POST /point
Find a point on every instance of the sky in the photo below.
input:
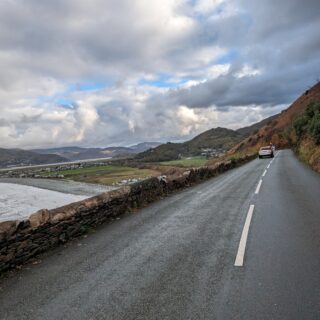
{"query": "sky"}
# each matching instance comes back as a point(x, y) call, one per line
point(119, 72)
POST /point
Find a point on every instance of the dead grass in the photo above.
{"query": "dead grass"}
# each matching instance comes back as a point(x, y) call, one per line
point(309, 152)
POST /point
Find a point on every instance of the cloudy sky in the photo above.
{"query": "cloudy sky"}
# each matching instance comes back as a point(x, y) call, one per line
point(117, 72)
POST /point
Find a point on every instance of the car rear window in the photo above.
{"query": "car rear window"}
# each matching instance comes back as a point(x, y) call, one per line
point(265, 148)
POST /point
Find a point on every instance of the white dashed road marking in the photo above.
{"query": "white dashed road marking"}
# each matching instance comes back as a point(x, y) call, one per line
point(243, 240)
point(258, 187)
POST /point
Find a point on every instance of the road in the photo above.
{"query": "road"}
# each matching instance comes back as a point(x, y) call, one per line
point(176, 258)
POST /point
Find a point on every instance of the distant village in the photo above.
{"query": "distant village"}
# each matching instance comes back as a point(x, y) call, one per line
point(212, 152)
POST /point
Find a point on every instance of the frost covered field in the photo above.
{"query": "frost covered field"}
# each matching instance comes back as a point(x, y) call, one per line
point(19, 201)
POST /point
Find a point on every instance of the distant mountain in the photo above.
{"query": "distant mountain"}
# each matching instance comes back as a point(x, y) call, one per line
point(217, 138)
point(144, 146)
point(79, 153)
point(18, 157)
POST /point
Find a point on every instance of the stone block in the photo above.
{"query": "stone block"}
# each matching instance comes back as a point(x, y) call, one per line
point(39, 218)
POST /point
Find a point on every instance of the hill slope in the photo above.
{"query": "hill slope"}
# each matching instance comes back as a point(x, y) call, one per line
point(217, 138)
point(18, 157)
point(280, 130)
point(295, 127)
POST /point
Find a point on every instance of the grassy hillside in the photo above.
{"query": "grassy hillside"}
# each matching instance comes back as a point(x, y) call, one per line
point(193, 162)
point(213, 138)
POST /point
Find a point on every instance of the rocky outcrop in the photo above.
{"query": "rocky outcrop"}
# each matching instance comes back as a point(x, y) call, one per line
point(21, 241)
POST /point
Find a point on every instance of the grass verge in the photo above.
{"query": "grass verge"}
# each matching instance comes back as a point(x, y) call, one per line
point(186, 162)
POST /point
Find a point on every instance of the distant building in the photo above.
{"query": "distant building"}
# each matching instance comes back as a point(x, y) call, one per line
point(212, 152)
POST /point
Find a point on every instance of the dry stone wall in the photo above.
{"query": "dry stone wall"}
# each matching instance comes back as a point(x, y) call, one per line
point(21, 241)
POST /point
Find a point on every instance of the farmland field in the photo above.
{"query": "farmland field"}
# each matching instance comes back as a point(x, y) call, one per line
point(187, 162)
point(107, 175)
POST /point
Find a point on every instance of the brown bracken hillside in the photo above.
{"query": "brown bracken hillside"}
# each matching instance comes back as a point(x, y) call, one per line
point(281, 131)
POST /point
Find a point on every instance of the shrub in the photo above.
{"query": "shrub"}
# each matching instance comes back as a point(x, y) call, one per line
point(314, 128)
point(312, 110)
point(300, 125)
point(309, 122)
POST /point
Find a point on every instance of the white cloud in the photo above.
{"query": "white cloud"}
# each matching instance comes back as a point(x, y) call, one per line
point(247, 71)
point(207, 6)
point(48, 49)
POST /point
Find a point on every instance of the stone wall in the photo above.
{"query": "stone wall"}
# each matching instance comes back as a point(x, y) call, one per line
point(21, 241)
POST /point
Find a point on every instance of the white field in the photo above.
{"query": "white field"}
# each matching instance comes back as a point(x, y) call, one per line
point(18, 201)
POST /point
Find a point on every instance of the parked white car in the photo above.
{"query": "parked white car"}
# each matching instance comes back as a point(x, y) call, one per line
point(266, 152)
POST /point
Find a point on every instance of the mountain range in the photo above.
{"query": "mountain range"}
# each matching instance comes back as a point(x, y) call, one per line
point(19, 157)
point(80, 153)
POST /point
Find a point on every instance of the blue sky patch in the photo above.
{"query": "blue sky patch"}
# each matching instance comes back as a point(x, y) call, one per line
point(163, 81)
point(61, 98)
point(88, 86)
point(65, 103)
point(228, 57)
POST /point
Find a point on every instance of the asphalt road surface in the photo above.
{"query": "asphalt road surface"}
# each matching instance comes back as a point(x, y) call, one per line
point(176, 258)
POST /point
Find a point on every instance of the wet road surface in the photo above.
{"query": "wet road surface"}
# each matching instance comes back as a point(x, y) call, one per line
point(176, 258)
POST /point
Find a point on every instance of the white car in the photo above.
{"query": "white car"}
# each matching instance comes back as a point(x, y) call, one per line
point(266, 152)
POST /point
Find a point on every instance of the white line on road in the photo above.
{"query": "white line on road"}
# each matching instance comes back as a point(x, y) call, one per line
point(268, 166)
point(258, 187)
point(243, 240)
point(264, 173)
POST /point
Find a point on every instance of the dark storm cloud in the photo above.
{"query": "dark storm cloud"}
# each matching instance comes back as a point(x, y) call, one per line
point(280, 39)
point(229, 90)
